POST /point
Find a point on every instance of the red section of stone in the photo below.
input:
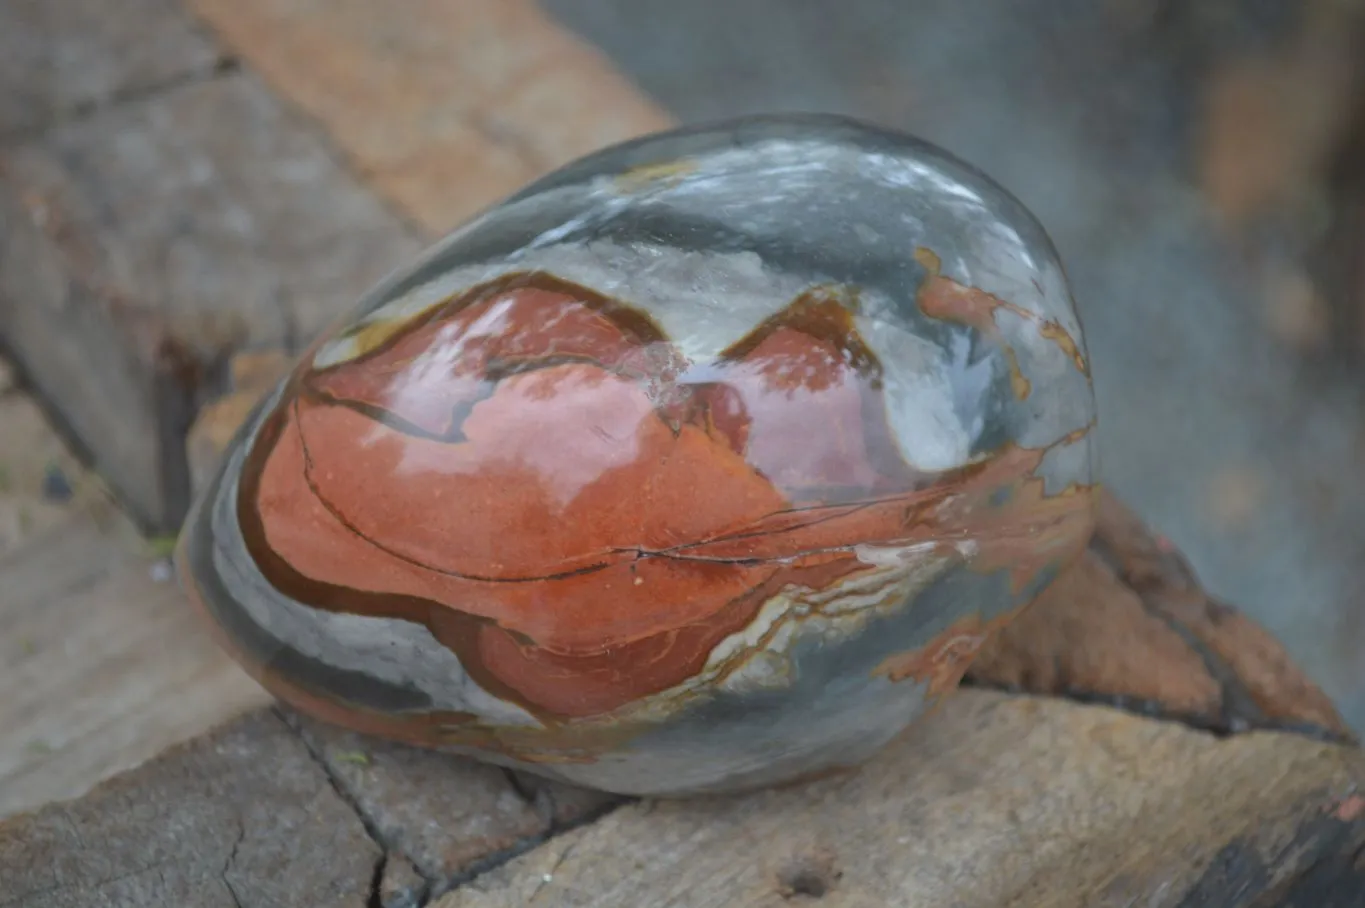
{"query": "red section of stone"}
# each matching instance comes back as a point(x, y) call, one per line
point(534, 473)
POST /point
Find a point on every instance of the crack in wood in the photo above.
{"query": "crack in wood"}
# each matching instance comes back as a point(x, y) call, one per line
point(222, 65)
point(549, 874)
point(231, 858)
point(496, 859)
point(435, 885)
point(376, 835)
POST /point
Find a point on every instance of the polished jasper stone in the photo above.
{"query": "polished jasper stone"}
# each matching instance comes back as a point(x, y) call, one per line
point(706, 462)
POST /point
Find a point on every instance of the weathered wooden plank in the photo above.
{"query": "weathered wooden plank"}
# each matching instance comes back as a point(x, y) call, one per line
point(60, 57)
point(102, 663)
point(241, 818)
point(41, 484)
point(286, 819)
point(995, 801)
point(444, 105)
point(444, 817)
point(140, 246)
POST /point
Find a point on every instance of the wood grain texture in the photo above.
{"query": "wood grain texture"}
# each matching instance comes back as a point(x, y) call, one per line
point(101, 661)
point(445, 106)
point(259, 815)
point(140, 246)
point(41, 484)
point(102, 664)
point(442, 816)
point(995, 801)
point(64, 57)
point(244, 818)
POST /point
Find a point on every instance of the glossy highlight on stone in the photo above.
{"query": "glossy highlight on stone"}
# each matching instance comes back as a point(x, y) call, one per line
point(704, 463)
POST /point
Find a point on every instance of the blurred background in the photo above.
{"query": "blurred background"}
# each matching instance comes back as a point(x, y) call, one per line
point(1201, 168)
point(190, 188)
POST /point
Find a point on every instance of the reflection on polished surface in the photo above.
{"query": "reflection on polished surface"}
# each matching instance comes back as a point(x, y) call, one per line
point(703, 463)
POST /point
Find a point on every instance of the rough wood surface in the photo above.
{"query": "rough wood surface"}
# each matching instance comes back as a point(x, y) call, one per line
point(141, 245)
point(64, 57)
point(102, 663)
point(441, 817)
point(244, 818)
point(444, 105)
point(255, 815)
point(996, 801)
point(41, 483)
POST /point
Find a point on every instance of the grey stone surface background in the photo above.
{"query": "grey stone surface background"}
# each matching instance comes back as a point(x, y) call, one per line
point(1249, 458)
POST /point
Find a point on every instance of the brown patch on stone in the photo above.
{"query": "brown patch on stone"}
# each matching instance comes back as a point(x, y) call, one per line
point(947, 300)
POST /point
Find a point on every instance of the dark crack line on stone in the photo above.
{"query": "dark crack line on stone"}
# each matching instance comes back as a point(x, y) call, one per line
point(367, 822)
point(1216, 726)
point(222, 65)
